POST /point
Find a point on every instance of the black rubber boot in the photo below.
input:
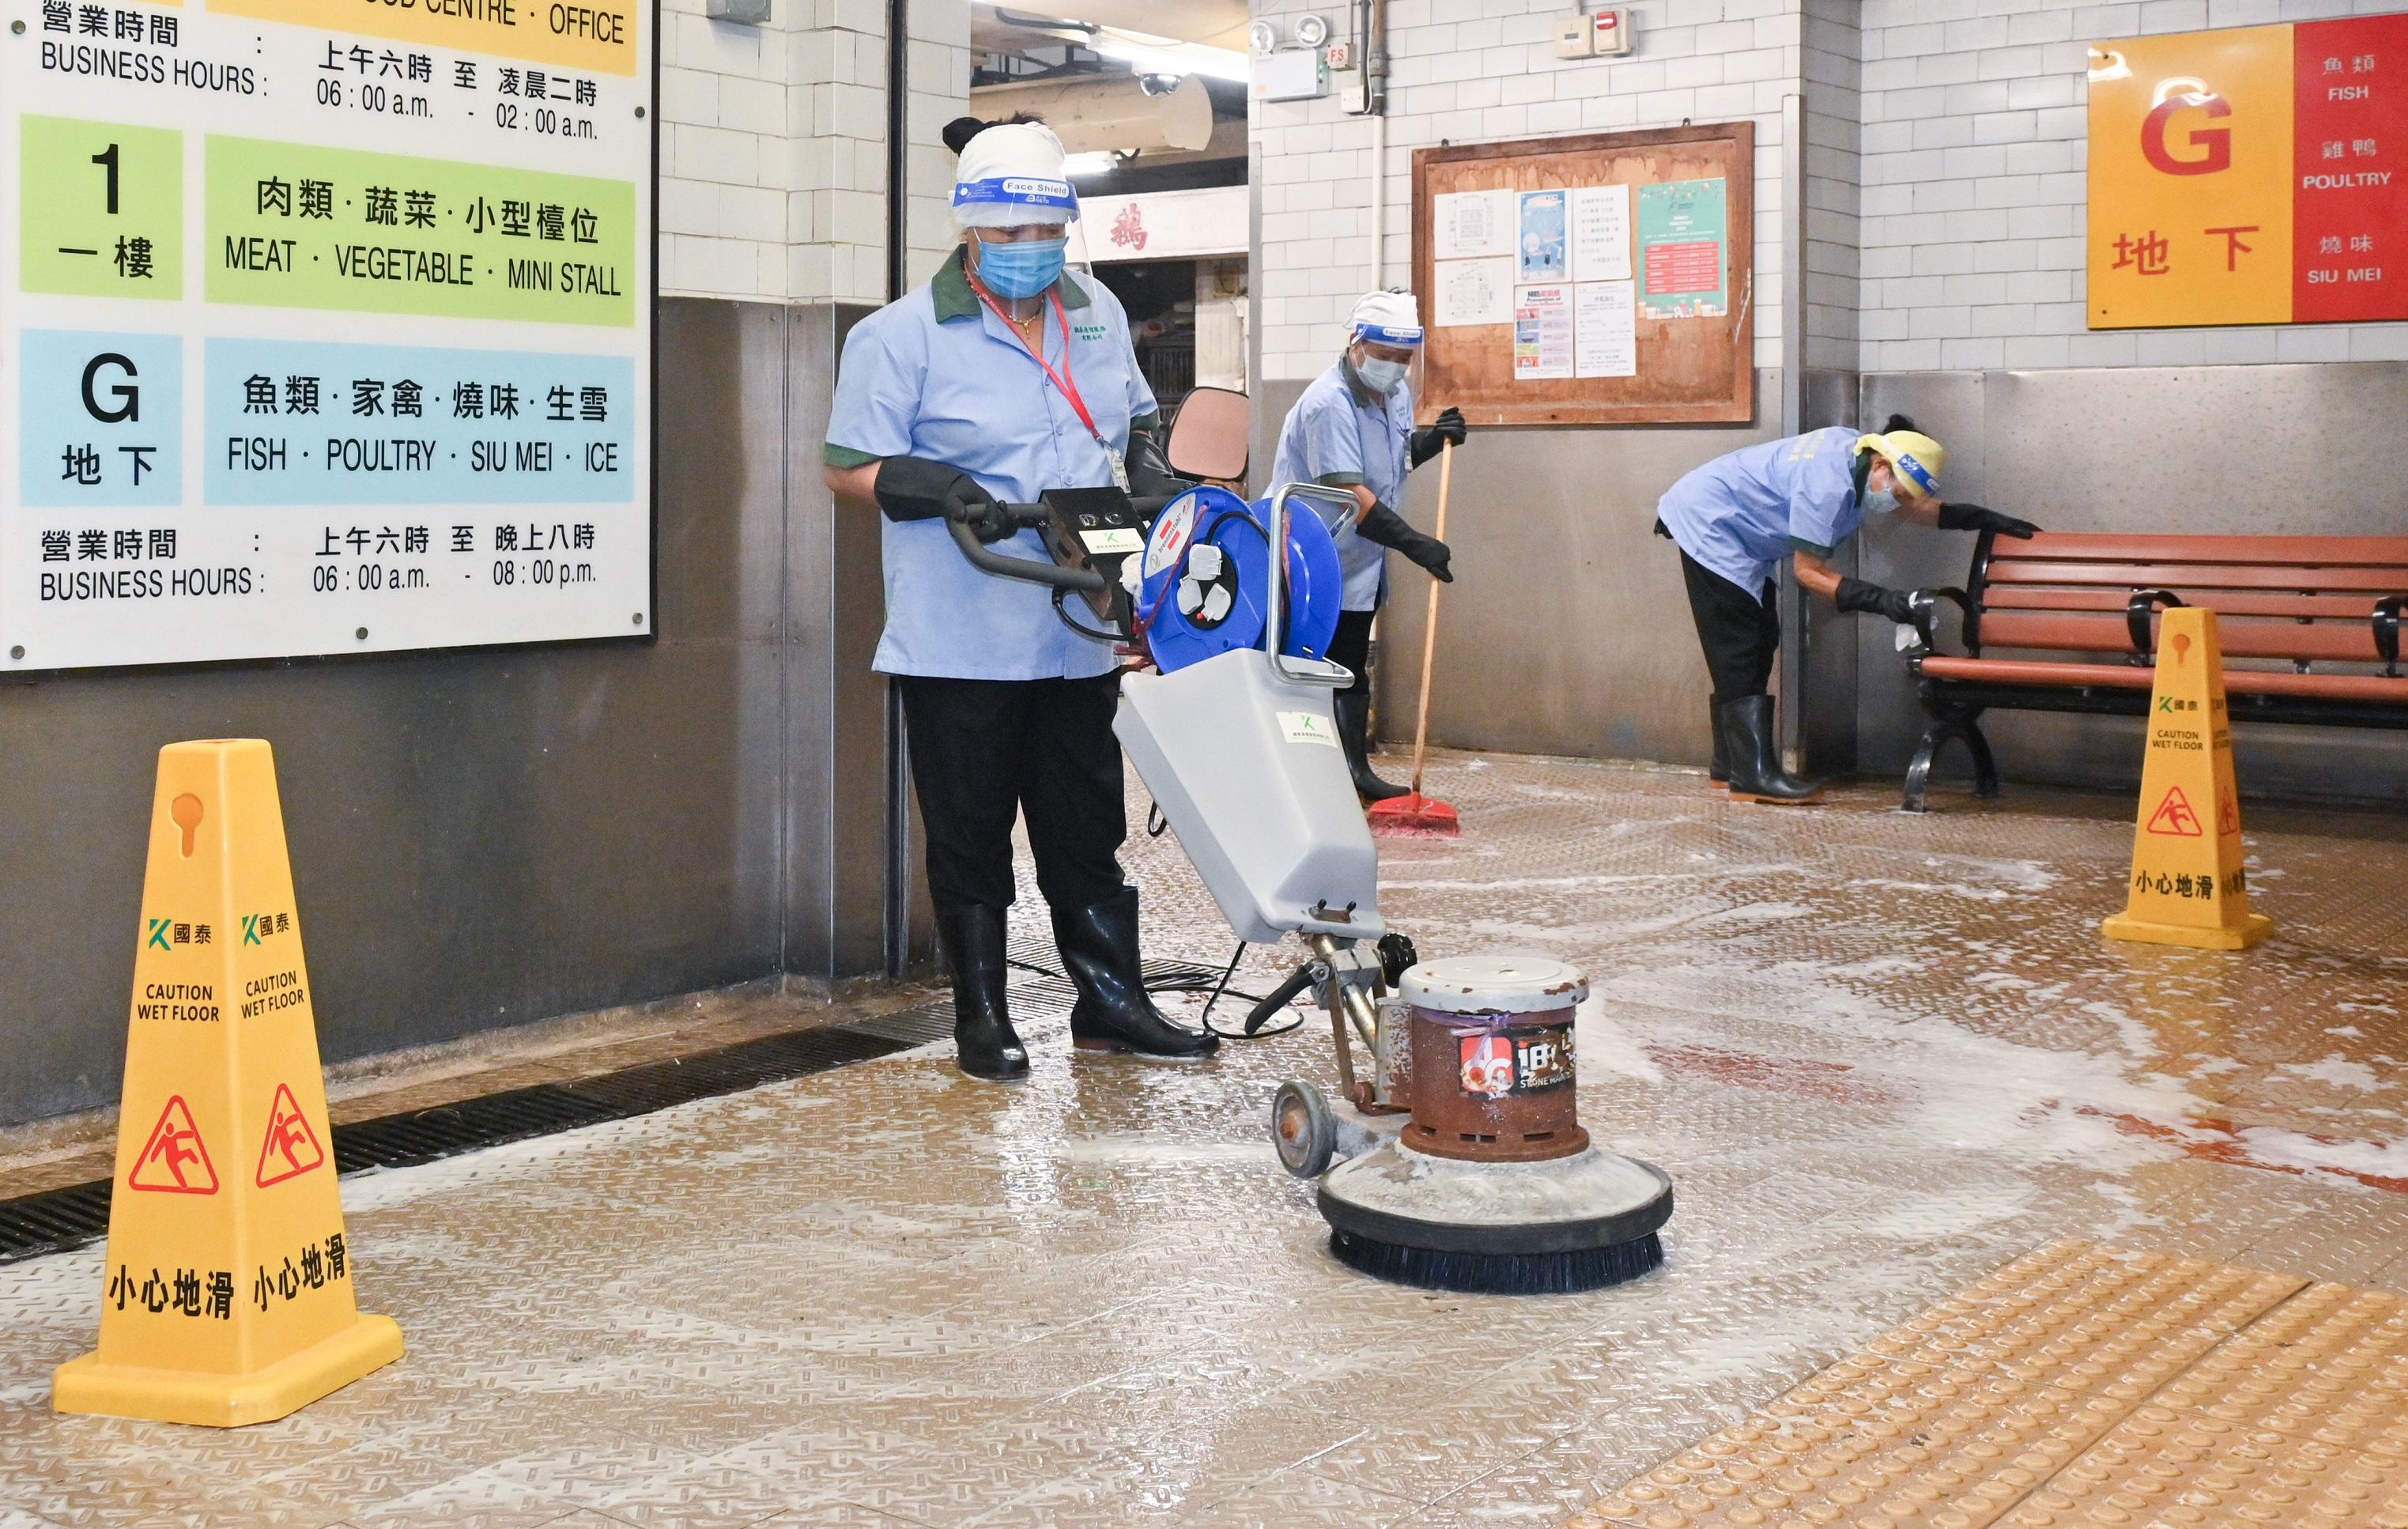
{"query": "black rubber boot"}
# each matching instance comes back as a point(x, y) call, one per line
point(1746, 727)
point(984, 1040)
point(1114, 1012)
point(1353, 713)
point(1719, 771)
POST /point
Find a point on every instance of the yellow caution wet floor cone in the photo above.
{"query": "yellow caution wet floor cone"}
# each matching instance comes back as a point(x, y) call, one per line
point(2187, 885)
point(228, 1288)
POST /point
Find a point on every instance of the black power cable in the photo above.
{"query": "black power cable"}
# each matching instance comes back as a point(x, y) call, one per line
point(1182, 977)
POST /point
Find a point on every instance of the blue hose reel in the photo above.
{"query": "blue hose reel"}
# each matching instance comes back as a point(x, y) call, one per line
point(1205, 571)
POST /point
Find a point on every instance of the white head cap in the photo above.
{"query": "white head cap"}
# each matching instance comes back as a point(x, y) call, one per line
point(1011, 175)
point(1386, 318)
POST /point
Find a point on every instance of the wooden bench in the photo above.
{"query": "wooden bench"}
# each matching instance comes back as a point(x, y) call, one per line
point(2076, 609)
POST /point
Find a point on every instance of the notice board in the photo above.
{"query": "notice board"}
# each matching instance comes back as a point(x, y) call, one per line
point(325, 327)
point(2252, 175)
point(1600, 280)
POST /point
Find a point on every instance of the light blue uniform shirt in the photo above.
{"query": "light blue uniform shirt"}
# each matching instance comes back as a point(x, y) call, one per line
point(1341, 432)
point(937, 375)
point(1741, 515)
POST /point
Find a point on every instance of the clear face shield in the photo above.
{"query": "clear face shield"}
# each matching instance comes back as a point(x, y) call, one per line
point(1385, 362)
point(1020, 233)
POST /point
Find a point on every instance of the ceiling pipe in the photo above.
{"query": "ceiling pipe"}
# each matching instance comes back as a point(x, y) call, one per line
point(1109, 113)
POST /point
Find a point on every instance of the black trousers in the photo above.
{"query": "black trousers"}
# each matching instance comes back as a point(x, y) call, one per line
point(1740, 633)
point(1351, 647)
point(985, 750)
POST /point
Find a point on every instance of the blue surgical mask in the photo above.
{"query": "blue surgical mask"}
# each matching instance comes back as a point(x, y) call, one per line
point(1022, 268)
point(1382, 377)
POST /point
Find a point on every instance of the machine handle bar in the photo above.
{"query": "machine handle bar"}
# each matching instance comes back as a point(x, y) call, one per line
point(1027, 570)
point(1029, 517)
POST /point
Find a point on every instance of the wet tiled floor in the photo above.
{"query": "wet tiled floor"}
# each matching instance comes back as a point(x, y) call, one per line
point(1880, 1054)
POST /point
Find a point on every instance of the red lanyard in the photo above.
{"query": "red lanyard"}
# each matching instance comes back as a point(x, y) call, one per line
point(1061, 379)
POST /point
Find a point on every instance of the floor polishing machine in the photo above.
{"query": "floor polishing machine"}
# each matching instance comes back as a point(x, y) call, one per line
point(1461, 1164)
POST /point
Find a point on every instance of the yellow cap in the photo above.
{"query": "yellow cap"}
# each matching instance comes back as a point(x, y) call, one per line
point(1916, 457)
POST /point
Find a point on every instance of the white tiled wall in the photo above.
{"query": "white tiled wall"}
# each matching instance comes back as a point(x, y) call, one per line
point(773, 155)
point(1471, 70)
point(1974, 135)
point(1945, 166)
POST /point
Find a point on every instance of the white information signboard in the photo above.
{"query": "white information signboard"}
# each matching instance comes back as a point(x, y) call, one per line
point(1207, 220)
point(325, 327)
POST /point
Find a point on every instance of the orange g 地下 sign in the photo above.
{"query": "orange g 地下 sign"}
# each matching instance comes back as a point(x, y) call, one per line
point(2250, 176)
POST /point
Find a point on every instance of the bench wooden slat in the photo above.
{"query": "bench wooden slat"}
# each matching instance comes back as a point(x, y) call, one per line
point(2309, 599)
point(2345, 608)
point(2376, 578)
point(2109, 547)
point(2239, 638)
point(2060, 675)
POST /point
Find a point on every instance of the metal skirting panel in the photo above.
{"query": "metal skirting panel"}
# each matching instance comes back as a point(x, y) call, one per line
point(835, 706)
point(1567, 630)
point(480, 838)
point(1826, 663)
point(2291, 449)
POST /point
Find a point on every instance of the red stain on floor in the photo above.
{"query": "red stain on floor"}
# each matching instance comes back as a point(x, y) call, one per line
point(1832, 1082)
point(2213, 1140)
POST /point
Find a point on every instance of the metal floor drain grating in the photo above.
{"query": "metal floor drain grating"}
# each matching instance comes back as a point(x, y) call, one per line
point(58, 1220)
point(55, 1220)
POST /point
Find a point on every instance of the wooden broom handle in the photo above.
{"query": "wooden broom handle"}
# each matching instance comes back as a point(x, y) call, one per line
point(1429, 623)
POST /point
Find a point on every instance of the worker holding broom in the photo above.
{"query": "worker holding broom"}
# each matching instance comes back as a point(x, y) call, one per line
point(1354, 429)
point(1740, 516)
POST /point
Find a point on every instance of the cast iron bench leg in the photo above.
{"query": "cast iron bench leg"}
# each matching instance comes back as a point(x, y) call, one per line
point(1960, 723)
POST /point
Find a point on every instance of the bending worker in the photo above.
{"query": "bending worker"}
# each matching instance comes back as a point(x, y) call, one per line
point(1737, 517)
point(1003, 377)
point(1354, 429)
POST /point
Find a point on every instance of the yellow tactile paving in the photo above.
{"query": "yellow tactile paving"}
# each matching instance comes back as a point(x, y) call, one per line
point(2078, 1386)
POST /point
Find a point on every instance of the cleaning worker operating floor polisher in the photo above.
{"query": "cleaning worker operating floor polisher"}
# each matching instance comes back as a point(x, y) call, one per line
point(1468, 1168)
point(1491, 1183)
point(1353, 429)
point(1735, 520)
point(1005, 376)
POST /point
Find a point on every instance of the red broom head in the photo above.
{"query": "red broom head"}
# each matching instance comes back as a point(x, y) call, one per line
point(1414, 816)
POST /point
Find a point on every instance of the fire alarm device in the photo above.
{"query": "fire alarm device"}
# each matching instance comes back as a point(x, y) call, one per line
point(1611, 29)
point(1573, 37)
point(1292, 74)
point(1340, 56)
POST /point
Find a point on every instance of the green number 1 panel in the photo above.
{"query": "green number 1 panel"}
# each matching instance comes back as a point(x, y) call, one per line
point(104, 209)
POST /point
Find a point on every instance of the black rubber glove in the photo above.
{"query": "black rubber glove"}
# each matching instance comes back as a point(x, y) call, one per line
point(1447, 430)
point(916, 488)
point(1855, 594)
point(1975, 517)
point(1387, 528)
point(1149, 470)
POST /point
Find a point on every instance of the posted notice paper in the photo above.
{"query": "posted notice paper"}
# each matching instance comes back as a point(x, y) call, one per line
point(1543, 249)
point(1473, 292)
point(1600, 233)
point(1543, 332)
point(1465, 225)
point(1607, 321)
